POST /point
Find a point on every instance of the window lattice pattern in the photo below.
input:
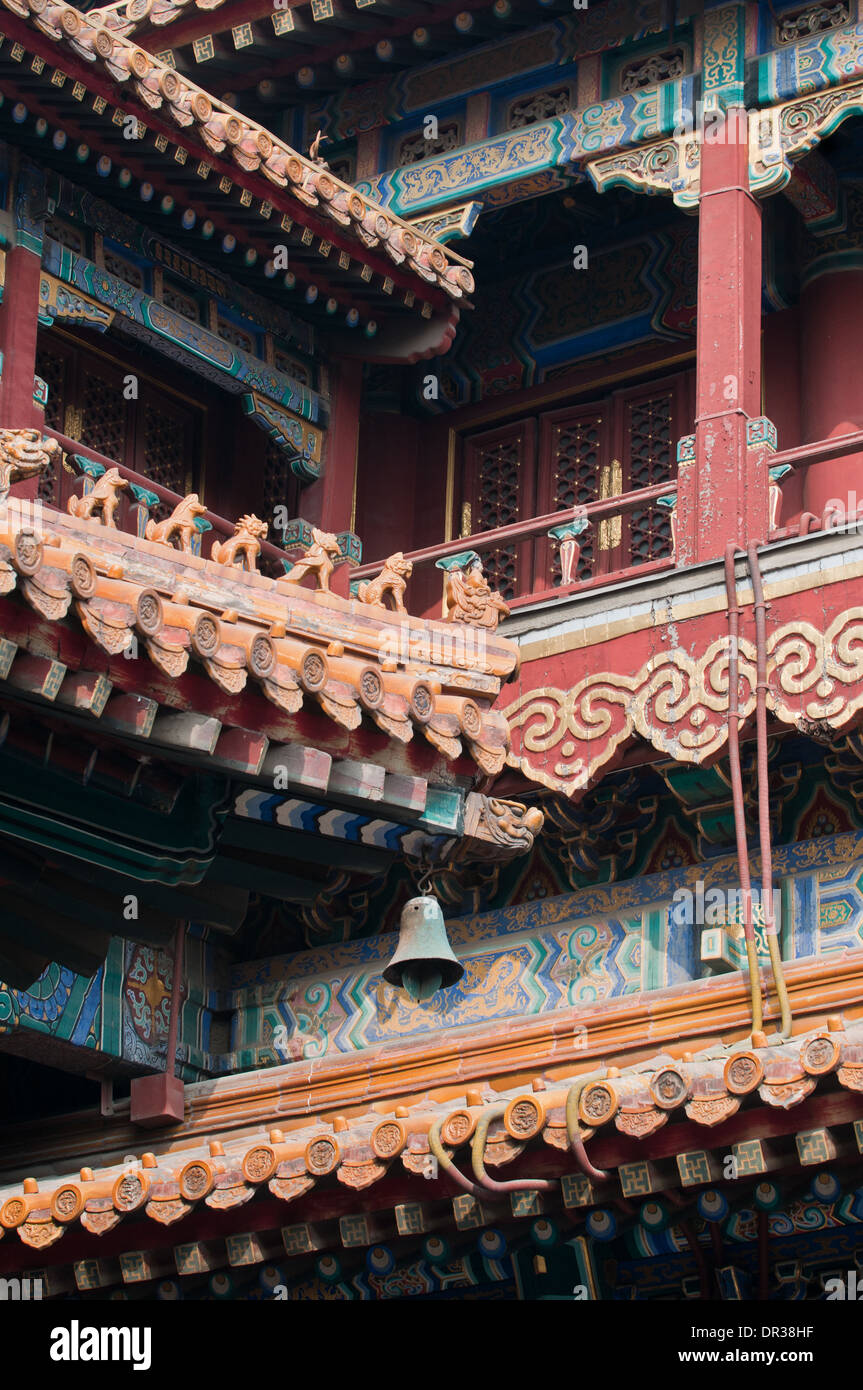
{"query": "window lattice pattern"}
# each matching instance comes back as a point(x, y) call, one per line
point(813, 20)
point(276, 478)
point(291, 366)
point(417, 147)
point(538, 107)
point(181, 303)
point(656, 67)
point(576, 481)
point(51, 367)
point(124, 270)
point(103, 419)
point(281, 489)
point(164, 459)
point(232, 333)
point(498, 478)
point(66, 234)
point(651, 461)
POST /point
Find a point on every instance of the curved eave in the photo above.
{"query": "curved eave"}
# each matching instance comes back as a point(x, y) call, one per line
point(247, 159)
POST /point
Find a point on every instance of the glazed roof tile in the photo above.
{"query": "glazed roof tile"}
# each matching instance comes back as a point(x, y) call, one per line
point(254, 150)
point(294, 644)
point(359, 1153)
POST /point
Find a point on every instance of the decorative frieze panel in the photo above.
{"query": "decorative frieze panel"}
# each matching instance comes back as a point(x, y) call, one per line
point(780, 136)
point(812, 19)
point(655, 67)
point(598, 943)
point(415, 148)
point(200, 350)
point(551, 101)
point(669, 166)
point(678, 703)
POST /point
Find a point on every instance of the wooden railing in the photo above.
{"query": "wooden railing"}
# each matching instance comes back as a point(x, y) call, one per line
point(133, 502)
point(566, 527)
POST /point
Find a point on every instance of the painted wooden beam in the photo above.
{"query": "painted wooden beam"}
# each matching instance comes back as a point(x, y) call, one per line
point(273, 883)
point(357, 781)
point(406, 794)
point(306, 1238)
point(292, 765)
point(198, 1257)
point(141, 1266)
point(95, 1274)
point(36, 675)
point(248, 1248)
point(241, 750)
point(199, 733)
point(84, 692)
point(315, 849)
point(130, 714)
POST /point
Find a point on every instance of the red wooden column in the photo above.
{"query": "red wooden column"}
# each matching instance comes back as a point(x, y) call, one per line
point(831, 308)
point(18, 326)
point(329, 502)
point(722, 491)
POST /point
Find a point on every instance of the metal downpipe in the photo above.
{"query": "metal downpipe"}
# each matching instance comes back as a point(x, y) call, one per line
point(477, 1149)
point(573, 1133)
point(763, 791)
point(755, 1002)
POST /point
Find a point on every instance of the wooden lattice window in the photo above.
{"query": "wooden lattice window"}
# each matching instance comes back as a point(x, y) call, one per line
point(104, 423)
point(128, 418)
point(51, 367)
point(499, 465)
point(651, 452)
point(282, 487)
point(574, 444)
point(166, 441)
point(570, 457)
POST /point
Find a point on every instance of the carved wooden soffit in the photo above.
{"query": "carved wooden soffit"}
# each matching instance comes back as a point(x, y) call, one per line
point(705, 1089)
point(224, 131)
point(671, 166)
point(782, 135)
point(499, 829)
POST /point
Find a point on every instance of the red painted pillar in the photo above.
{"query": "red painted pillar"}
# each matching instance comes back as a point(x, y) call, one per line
point(329, 502)
point(831, 310)
point(722, 491)
point(18, 327)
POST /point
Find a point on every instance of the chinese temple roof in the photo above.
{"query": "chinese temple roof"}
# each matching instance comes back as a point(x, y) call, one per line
point(353, 657)
point(193, 730)
point(691, 1096)
point(340, 241)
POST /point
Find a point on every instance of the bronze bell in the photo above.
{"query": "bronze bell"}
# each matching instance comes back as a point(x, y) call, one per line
point(424, 960)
